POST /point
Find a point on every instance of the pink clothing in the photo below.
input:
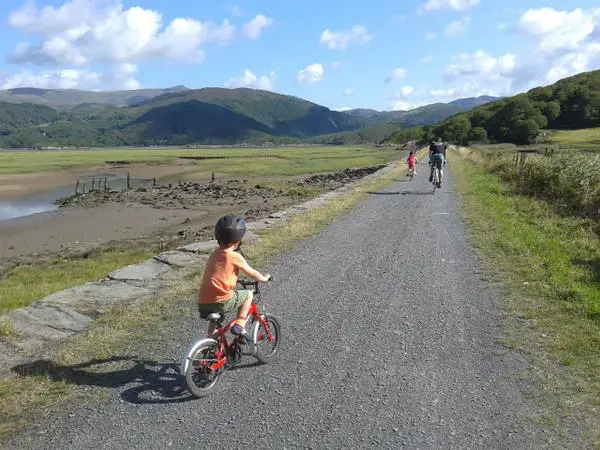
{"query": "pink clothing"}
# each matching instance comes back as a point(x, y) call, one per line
point(411, 161)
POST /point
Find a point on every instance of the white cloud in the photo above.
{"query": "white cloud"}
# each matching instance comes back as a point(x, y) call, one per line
point(348, 92)
point(336, 65)
point(431, 36)
point(457, 27)
point(458, 5)
point(480, 63)
point(342, 108)
point(253, 29)
point(443, 92)
point(397, 74)
point(88, 32)
point(426, 60)
point(401, 105)
point(406, 91)
point(248, 79)
point(313, 73)
point(556, 30)
point(119, 77)
point(339, 40)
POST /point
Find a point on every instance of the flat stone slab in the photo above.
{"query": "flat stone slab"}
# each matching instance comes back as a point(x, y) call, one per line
point(181, 258)
point(48, 322)
point(93, 299)
point(149, 270)
point(199, 247)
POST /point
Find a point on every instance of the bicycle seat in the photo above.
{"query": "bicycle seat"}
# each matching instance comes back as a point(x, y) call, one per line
point(213, 317)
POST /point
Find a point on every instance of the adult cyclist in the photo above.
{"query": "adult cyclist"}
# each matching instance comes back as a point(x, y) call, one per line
point(437, 158)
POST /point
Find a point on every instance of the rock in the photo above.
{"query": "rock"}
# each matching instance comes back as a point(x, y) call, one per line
point(199, 247)
point(43, 321)
point(93, 299)
point(149, 270)
point(181, 258)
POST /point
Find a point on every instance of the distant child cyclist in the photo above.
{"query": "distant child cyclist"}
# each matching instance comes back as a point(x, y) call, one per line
point(412, 163)
point(217, 290)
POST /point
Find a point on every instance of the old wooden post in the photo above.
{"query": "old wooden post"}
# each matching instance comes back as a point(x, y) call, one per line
point(77, 188)
point(154, 181)
point(212, 178)
point(105, 184)
point(128, 178)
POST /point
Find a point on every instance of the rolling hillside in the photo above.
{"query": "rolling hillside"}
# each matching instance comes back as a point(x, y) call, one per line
point(68, 98)
point(210, 115)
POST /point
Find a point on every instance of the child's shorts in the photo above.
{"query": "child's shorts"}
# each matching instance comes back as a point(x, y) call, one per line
point(226, 306)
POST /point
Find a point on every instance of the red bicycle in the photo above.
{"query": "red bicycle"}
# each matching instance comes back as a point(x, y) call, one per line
point(206, 359)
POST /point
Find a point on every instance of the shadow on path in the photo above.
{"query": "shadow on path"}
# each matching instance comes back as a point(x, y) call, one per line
point(402, 193)
point(154, 382)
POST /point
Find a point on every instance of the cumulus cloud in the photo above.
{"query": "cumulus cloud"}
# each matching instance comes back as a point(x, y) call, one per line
point(254, 28)
point(84, 35)
point(564, 43)
point(458, 5)
point(339, 40)
point(119, 77)
point(457, 27)
point(86, 32)
point(313, 73)
point(248, 79)
point(401, 105)
point(397, 74)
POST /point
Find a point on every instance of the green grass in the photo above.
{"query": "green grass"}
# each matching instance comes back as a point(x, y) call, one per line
point(551, 266)
point(251, 161)
point(583, 137)
point(26, 284)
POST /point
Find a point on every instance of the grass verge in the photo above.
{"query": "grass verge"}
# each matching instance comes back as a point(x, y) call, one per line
point(551, 267)
point(26, 284)
point(123, 329)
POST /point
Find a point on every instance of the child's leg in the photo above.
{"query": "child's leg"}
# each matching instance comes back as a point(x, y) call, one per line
point(243, 311)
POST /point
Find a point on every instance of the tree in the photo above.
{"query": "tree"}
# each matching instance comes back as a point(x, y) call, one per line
point(478, 134)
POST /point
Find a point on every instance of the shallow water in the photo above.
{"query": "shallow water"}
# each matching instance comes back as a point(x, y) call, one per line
point(32, 203)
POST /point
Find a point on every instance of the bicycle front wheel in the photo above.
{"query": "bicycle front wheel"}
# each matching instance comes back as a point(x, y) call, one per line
point(200, 379)
point(266, 340)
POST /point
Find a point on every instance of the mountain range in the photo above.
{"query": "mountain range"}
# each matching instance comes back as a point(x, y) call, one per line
point(178, 115)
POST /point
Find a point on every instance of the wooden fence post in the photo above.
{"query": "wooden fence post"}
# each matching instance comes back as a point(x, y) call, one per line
point(128, 178)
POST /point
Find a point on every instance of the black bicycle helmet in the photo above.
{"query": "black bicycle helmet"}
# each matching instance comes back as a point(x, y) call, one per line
point(229, 229)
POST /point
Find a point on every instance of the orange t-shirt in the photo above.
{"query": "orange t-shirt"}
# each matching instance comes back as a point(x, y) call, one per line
point(220, 275)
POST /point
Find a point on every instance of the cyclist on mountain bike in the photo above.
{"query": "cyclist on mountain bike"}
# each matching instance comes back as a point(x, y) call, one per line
point(217, 290)
point(437, 158)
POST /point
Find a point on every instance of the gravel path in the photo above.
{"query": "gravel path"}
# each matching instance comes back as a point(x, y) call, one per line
point(378, 352)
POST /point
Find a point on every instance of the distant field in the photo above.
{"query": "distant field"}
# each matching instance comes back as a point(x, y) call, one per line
point(588, 138)
point(282, 161)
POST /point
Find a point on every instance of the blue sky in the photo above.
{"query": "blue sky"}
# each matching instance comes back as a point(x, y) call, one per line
point(358, 55)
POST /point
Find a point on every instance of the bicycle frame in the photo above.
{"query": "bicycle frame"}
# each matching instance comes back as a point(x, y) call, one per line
point(224, 346)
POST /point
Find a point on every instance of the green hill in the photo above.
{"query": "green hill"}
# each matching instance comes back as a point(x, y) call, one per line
point(570, 103)
point(210, 115)
point(68, 98)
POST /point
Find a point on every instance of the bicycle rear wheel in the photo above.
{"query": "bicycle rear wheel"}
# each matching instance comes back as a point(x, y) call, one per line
point(266, 342)
point(199, 378)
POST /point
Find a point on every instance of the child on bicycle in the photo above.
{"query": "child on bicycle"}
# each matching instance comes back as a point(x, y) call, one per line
point(412, 162)
point(217, 290)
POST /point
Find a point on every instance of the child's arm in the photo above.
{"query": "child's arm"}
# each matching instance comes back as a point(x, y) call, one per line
point(253, 273)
